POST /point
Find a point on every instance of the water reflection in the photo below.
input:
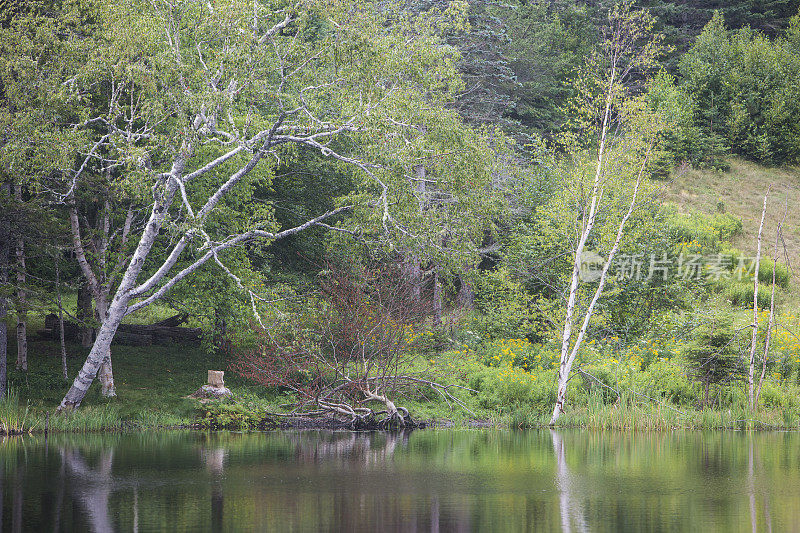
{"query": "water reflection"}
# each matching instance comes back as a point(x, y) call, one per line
point(568, 504)
point(91, 485)
point(754, 492)
point(423, 481)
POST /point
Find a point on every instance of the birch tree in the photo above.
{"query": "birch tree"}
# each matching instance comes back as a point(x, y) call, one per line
point(754, 338)
point(203, 99)
point(770, 322)
point(102, 273)
point(625, 137)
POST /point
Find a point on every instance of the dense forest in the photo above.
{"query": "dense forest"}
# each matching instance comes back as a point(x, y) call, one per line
point(392, 211)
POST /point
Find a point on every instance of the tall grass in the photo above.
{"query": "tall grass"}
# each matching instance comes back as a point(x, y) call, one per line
point(13, 418)
point(638, 417)
point(89, 419)
point(85, 419)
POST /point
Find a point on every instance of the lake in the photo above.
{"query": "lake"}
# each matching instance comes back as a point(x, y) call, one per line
point(429, 480)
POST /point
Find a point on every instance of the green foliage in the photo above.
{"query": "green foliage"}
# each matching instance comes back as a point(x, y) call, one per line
point(740, 293)
point(699, 231)
point(713, 355)
point(782, 272)
point(506, 309)
point(507, 388)
point(743, 86)
point(520, 353)
point(547, 45)
point(236, 413)
point(683, 140)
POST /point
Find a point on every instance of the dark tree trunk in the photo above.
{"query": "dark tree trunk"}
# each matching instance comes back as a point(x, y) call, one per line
point(436, 305)
point(466, 296)
point(61, 324)
point(85, 313)
point(5, 246)
point(22, 304)
point(220, 329)
point(413, 274)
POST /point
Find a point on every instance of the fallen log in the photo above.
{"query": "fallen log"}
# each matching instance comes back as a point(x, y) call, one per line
point(160, 333)
point(173, 321)
point(126, 338)
point(163, 334)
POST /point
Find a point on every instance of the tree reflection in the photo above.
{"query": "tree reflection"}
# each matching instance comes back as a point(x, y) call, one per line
point(91, 486)
point(568, 503)
point(752, 490)
point(214, 461)
point(364, 449)
point(426, 481)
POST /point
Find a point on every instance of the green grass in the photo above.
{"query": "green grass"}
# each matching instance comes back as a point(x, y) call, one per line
point(740, 192)
point(655, 417)
point(14, 417)
point(152, 384)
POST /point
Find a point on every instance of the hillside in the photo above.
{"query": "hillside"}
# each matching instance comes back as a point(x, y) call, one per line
point(740, 192)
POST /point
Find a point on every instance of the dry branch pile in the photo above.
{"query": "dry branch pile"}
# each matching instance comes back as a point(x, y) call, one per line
point(354, 351)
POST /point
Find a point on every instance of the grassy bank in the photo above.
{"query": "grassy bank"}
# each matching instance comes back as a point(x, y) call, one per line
point(641, 383)
point(153, 384)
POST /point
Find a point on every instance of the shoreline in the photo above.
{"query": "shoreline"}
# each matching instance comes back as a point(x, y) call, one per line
point(327, 424)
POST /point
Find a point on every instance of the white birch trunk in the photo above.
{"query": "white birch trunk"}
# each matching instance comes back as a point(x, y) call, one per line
point(775, 256)
point(99, 291)
point(116, 311)
point(586, 228)
point(105, 374)
point(751, 366)
point(568, 356)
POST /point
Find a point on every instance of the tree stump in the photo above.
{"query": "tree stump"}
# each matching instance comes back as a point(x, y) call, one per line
point(215, 389)
point(215, 378)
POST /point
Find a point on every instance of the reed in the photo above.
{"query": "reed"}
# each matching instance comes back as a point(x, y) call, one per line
point(13, 418)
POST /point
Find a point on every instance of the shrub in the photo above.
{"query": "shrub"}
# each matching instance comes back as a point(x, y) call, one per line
point(506, 309)
point(713, 355)
point(509, 388)
point(232, 414)
point(708, 230)
point(517, 352)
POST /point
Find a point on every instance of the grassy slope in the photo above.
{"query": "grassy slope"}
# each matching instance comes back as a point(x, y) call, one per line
point(741, 192)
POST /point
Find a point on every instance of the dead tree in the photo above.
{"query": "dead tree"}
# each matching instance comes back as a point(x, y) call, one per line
point(754, 341)
point(768, 336)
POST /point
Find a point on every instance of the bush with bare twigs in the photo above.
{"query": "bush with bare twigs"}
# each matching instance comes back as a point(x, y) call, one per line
point(357, 344)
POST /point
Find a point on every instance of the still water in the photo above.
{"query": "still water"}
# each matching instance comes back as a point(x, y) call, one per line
point(431, 480)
